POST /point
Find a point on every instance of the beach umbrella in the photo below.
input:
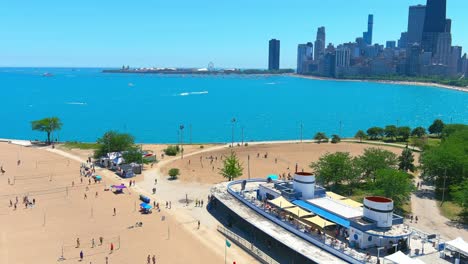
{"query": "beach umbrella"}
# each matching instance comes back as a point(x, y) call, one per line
point(273, 176)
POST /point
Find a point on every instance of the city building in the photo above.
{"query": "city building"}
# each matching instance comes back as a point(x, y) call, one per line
point(403, 41)
point(319, 43)
point(434, 23)
point(391, 44)
point(274, 55)
point(367, 36)
point(343, 56)
point(416, 18)
point(304, 55)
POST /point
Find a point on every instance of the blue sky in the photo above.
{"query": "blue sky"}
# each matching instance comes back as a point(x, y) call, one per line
point(234, 33)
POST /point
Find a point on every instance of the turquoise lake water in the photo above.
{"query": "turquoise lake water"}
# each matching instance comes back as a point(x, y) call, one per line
point(152, 107)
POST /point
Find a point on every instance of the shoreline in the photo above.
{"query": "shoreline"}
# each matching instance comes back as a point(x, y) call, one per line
point(435, 85)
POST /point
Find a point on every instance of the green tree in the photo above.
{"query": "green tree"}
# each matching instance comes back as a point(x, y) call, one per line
point(393, 184)
point(134, 154)
point(436, 127)
point(418, 132)
point(231, 167)
point(452, 128)
point(335, 139)
point(447, 163)
point(335, 168)
point(320, 136)
point(174, 173)
point(374, 159)
point(404, 132)
point(360, 134)
point(375, 132)
point(113, 141)
point(460, 196)
point(48, 125)
point(406, 160)
point(391, 131)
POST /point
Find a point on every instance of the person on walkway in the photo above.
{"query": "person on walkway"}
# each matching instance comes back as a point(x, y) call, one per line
point(416, 218)
point(115, 212)
point(96, 194)
point(154, 259)
point(148, 259)
point(92, 243)
point(107, 260)
point(198, 224)
point(85, 196)
point(101, 239)
point(77, 242)
point(111, 248)
point(81, 255)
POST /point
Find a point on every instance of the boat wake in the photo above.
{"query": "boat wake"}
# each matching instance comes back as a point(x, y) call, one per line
point(193, 93)
point(75, 103)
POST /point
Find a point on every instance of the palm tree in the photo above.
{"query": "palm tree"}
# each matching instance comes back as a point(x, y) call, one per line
point(48, 125)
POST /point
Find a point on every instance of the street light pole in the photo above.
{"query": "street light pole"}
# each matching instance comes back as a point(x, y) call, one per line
point(182, 141)
point(232, 137)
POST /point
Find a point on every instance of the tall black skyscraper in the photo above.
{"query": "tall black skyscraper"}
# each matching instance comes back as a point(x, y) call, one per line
point(367, 36)
point(435, 16)
point(274, 55)
point(434, 23)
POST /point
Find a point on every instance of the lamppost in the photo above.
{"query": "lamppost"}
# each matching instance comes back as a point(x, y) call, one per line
point(233, 121)
point(182, 141)
point(301, 131)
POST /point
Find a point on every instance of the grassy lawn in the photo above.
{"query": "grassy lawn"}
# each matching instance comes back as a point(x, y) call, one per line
point(79, 145)
point(449, 210)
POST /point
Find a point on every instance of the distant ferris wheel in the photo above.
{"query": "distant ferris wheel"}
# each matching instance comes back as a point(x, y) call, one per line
point(211, 66)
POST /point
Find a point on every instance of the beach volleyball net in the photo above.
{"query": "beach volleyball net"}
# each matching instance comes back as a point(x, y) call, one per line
point(72, 250)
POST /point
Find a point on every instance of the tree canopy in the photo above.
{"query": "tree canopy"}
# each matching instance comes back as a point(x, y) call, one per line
point(391, 131)
point(335, 168)
point(418, 132)
point(436, 127)
point(113, 141)
point(375, 132)
point(361, 135)
point(320, 136)
point(393, 184)
point(231, 167)
point(406, 160)
point(174, 173)
point(404, 132)
point(374, 159)
point(48, 125)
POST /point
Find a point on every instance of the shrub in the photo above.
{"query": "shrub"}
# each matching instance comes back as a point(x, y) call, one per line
point(171, 150)
point(173, 173)
point(201, 146)
point(335, 139)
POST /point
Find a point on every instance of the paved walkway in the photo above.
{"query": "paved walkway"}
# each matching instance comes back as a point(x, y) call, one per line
point(424, 206)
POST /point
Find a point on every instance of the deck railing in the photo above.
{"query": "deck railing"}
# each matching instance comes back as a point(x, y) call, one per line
point(246, 245)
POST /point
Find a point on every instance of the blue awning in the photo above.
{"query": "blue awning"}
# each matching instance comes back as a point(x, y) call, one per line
point(319, 211)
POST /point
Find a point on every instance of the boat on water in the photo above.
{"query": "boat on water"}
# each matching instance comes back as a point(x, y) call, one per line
point(47, 74)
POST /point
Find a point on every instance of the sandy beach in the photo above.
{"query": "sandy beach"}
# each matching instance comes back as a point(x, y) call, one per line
point(61, 214)
point(456, 88)
point(281, 158)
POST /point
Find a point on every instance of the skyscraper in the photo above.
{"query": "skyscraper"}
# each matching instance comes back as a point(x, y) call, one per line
point(304, 54)
point(319, 43)
point(274, 55)
point(416, 18)
point(435, 22)
point(367, 36)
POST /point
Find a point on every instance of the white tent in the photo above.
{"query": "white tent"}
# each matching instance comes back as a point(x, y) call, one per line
point(459, 245)
point(399, 257)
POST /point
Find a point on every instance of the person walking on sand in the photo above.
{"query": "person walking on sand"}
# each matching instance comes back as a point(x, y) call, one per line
point(198, 224)
point(92, 243)
point(107, 260)
point(148, 259)
point(154, 259)
point(101, 239)
point(115, 212)
point(85, 196)
point(111, 248)
point(77, 242)
point(81, 255)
